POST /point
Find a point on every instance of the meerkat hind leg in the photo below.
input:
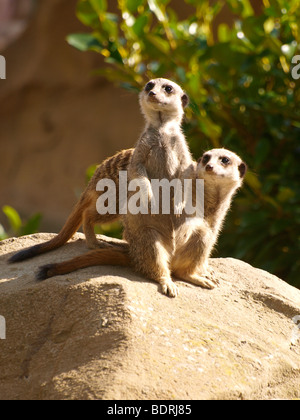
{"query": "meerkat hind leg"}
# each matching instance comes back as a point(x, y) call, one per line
point(196, 277)
point(191, 262)
point(90, 219)
point(203, 276)
point(151, 258)
point(199, 280)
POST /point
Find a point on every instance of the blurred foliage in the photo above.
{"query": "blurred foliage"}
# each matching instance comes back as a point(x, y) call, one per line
point(243, 97)
point(17, 227)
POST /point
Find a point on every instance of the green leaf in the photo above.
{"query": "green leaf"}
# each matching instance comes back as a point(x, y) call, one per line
point(236, 6)
point(13, 218)
point(90, 172)
point(133, 5)
point(160, 43)
point(32, 226)
point(248, 9)
point(99, 6)
point(3, 234)
point(253, 181)
point(87, 14)
point(224, 33)
point(262, 151)
point(84, 42)
point(139, 25)
point(154, 7)
point(110, 26)
point(285, 194)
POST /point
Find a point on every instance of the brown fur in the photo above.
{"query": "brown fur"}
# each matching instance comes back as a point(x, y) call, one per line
point(185, 254)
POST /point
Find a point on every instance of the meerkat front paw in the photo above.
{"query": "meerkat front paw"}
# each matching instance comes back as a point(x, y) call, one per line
point(146, 193)
point(179, 208)
point(169, 288)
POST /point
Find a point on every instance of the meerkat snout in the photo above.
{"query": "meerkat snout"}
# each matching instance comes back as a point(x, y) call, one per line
point(152, 97)
point(209, 168)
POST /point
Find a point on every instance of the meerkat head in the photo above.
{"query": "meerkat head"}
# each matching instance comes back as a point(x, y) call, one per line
point(163, 97)
point(221, 166)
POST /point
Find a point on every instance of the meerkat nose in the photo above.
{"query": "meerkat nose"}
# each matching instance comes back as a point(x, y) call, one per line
point(151, 94)
point(209, 168)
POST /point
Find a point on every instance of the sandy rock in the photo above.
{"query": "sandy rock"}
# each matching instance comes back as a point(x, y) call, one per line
point(106, 333)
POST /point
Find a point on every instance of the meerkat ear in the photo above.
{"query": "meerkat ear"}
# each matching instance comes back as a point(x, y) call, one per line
point(185, 100)
point(243, 169)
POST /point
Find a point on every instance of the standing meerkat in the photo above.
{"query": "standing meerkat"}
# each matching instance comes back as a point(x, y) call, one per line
point(223, 173)
point(163, 154)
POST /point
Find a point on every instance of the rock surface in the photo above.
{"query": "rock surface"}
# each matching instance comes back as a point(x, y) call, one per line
point(106, 333)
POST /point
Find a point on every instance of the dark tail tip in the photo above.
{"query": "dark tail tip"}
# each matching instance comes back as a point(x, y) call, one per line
point(26, 254)
point(45, 272)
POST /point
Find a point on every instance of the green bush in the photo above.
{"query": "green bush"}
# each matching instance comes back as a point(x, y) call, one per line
point(17, 227)
point(243, 97)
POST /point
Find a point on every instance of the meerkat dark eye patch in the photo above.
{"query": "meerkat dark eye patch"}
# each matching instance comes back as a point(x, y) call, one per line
point(243, 169)
point(205, 159)
point(149, 86)
point(225, 160)
point(169, 89)
point(185, 100)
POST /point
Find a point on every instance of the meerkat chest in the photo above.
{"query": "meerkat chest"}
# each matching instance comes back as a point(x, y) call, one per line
point(165, 157)
point(163, 162)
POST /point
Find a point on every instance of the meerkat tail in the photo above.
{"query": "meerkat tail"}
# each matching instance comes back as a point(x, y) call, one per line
point(69, 229)
point(119, 257)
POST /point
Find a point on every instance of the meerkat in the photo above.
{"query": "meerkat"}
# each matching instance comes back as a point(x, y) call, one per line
point(171, 110)
point(161, 153)
point(223, 173)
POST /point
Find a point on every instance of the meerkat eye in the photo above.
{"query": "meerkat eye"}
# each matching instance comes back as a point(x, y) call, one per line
point(149, 86)
point(225, 160)
point(169, 89)
point(206, 159)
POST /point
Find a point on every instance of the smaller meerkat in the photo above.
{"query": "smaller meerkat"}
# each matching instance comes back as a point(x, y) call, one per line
point(223, 173)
